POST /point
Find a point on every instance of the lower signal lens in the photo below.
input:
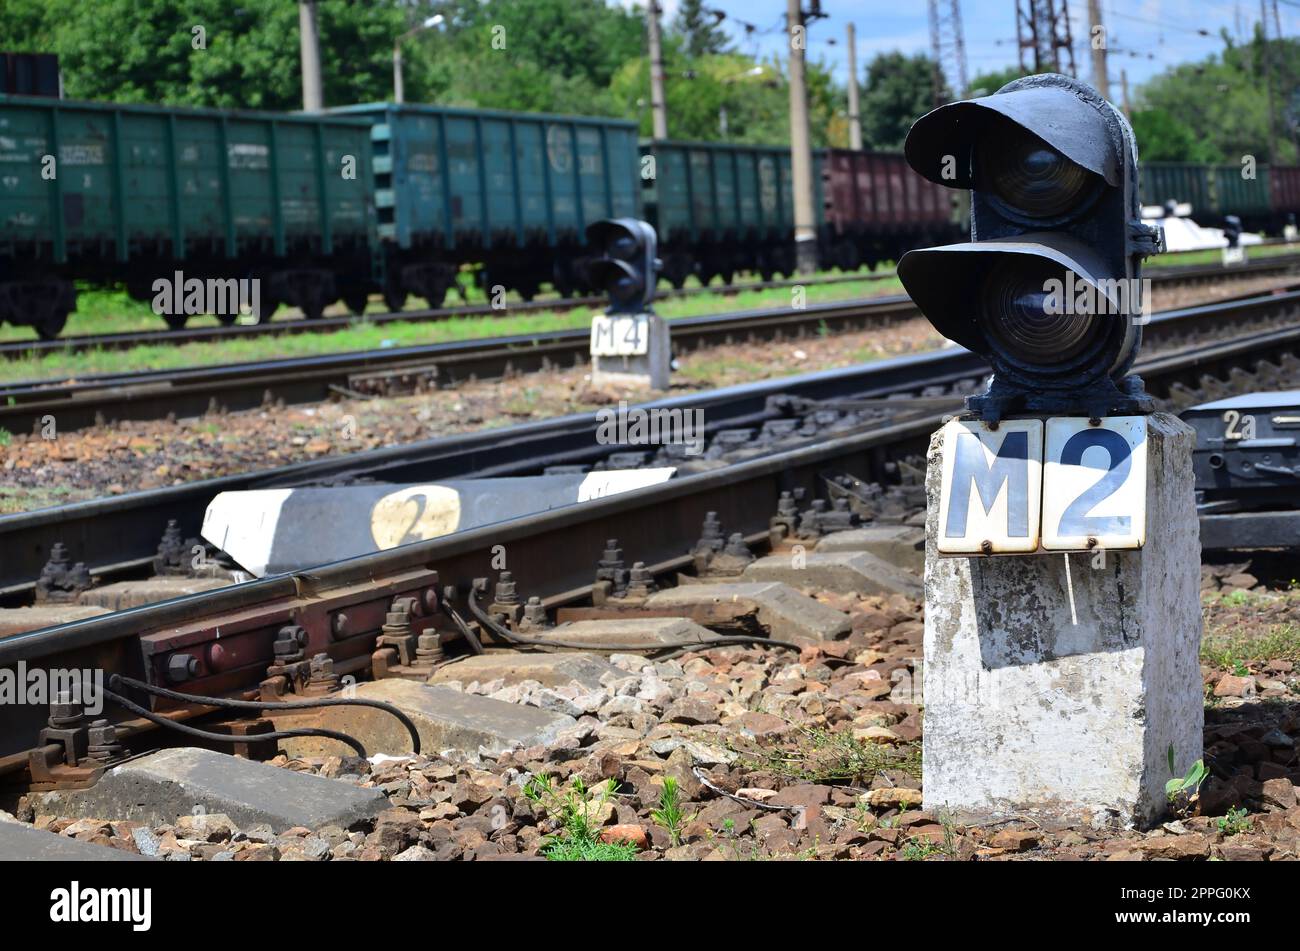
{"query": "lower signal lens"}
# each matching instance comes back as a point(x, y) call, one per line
point(1027, 317)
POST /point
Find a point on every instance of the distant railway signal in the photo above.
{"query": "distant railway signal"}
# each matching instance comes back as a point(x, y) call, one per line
point(1048, 288)
point(625, 265)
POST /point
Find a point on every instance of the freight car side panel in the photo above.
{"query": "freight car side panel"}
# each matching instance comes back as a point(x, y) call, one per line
point(1284, 188)
point(1241, 193)
point(700, 179)
point(624, 172)
point(724, 185)
point(135, 181)
point(25, 207)
point(198, 182)
point(749, 204)
point(467, 177)
point(252, 195)
point(877, 193)
point(1177, 181)
point(470, 179)
point(530, 160)
point(703, 189)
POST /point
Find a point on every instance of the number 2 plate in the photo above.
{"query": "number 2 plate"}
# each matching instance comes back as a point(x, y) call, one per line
point(1095, 483)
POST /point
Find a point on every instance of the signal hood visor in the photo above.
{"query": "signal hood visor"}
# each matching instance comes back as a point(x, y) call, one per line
point(1073, 126)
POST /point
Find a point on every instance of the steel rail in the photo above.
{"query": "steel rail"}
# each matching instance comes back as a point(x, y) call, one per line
point(653, 525)
point(91, 400)
point(119, 534)
point(157, 394)
point(13, 349)
point(81, 343)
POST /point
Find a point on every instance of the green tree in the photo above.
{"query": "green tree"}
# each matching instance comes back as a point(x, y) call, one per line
point(208, 52)
point(1162, 138)
point(1222, 100)
point(699, 29)
point(987, 83)
point(537, 55)
point(899, 90)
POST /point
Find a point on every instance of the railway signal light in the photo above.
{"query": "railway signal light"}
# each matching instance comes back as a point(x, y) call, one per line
point(1048, 288)
point(1232, 230)
point(626, 265)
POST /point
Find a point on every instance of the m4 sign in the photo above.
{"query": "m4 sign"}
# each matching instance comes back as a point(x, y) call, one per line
point(620, 335)
point(1067, 485)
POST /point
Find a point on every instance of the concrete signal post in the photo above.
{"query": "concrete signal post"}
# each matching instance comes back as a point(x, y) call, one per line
point(1062, 624)
point(630, 343)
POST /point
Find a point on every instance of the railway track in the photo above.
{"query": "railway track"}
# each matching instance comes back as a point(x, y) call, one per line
point(94, 400)
point(241, 331)
point(240, 386)
point(337, 608)
point(1165, 276)
point(119, 536)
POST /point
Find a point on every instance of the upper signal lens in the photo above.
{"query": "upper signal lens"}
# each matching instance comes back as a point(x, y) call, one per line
point(1029, 175)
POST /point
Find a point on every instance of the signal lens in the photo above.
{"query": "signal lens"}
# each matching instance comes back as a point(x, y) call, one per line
point(1029, 175)
point(1017, 296)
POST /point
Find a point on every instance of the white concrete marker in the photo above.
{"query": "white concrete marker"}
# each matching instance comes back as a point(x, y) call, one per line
point(1060, 700)
point(631, 350)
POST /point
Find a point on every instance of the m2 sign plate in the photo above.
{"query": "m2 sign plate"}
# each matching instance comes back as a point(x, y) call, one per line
point(991, 484)
point(1095, 484)
point(1026, 486)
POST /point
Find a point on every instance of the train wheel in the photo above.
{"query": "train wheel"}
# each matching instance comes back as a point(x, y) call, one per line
point(53, 324)
point(266, 308)
point(527, 288)
point(228, 320)
point(677, 268)
point(728, 277)
point(314, 309)
point(176, 321)
point(356, 301)
point(394, 299)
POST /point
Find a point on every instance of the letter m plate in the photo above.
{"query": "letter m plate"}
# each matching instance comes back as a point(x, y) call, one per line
point(992, 486)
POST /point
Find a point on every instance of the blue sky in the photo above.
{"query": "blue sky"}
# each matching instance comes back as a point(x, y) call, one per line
point(1159, 32)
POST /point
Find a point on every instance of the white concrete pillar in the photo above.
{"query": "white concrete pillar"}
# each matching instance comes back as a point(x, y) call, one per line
point(647, 362)
point(1055, 683)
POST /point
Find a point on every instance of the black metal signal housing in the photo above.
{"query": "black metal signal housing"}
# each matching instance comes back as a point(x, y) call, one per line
point(625, 265)
point(1048, 288)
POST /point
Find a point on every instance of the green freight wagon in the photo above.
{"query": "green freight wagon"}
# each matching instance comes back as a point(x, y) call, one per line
point(510, 190)
point(109, 193)
point(719, 208)
point(1243, 190)
point(1163, 182)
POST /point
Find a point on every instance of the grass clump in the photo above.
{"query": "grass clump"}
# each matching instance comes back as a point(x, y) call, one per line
point(669, 815)
point(578, 839)
point(1235, 822)
point(1239, 651)
point(819, 755)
